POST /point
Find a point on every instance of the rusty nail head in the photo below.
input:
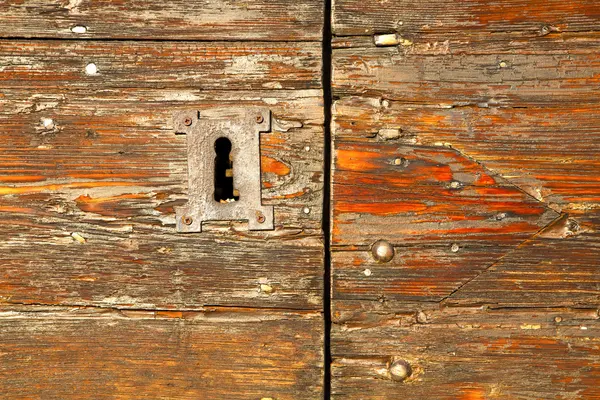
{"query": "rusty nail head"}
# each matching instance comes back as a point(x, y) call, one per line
point(187, 121)
point(187, 220)
point(382, 251)
point(260, 217)
point(259, 119)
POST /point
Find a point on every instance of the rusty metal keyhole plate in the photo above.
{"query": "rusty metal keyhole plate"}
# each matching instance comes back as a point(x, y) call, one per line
point(242, 126)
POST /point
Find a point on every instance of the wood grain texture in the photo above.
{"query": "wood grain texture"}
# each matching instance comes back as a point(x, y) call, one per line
point(505, 71)
point(62, 353)
point(135, 167)
point(95, 188)
point(559, 267)
point(186, 65)
point(425, 194)
point(527, 145)
point(273, 20)
point(43, 262)
point(508, 89)
point(464, 18)
point(465, 353)
point(448, 218)
point(100, 297)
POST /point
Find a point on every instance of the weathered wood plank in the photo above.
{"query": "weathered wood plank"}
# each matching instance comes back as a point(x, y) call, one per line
point(424, 194)
point(213, 354)
point(185, 65)
point(520, 73)
point(533, 146)
point(463, 18)
point(558, 267)
point(90, 173)
point(135, 166)
point(464, 353)
point(448, 217)
point(44, 262)
point(273, 20)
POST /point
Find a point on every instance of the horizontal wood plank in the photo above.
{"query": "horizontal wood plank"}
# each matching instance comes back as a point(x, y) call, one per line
point(135, 167)
point(463, 18)
point(213, 354)
point(58, 261)
point(532, 146)
point(186, 65)
point(419, 194)
point(273, 20)
point(510, 73)
point(464, 353)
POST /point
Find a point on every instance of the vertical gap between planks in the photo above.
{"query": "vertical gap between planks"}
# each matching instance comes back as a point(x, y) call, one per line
point(327, 149)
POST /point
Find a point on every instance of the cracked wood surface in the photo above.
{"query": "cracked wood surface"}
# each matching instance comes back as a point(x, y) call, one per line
point(59, 353)
point(448, 218)
point(501, 138)
point(270, 20)
point(460, 19)
point(464, 353)
point(480, 106)
point(91, 171)
point(110, 169)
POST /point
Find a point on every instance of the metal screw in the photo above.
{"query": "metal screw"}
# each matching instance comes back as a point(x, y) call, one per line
point(454, 248)
point(259, 119)
point(400, 370)
point(260, 217)
point(187, 121)
point(187, 220)
point(558, 319)
point(382, 251)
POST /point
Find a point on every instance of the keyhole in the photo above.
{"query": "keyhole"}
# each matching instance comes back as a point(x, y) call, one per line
point(224, 191)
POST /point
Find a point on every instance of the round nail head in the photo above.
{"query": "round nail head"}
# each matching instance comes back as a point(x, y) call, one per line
point(400, 370)
point(187, 220)
point(382, 251)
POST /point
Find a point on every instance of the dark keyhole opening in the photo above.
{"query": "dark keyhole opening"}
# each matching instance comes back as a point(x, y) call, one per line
point(224, 191)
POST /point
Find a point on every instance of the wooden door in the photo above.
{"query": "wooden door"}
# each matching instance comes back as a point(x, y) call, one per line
point(466, 136)
point(450, 250)
point(101, 297)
